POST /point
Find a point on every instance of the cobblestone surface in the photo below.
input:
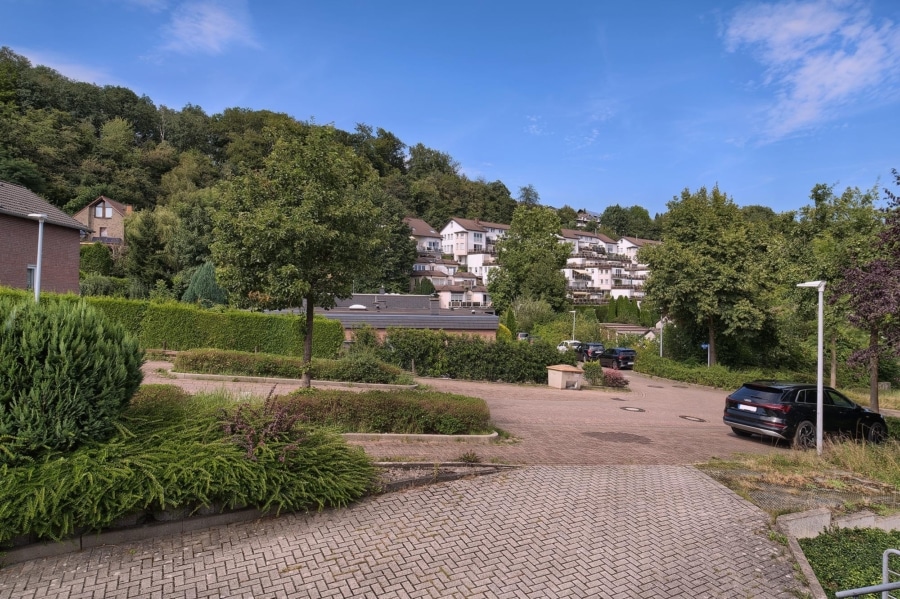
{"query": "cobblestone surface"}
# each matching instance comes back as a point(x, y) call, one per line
point(608, 506)
point(543, 531)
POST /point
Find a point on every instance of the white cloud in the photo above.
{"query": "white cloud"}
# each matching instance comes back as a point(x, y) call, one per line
point(535, 125)
point(208, 27)
point(69, 69)
point(820, 57)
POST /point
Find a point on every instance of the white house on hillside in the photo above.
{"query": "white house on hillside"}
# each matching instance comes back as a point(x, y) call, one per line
point(428, 240)
point(462, 237)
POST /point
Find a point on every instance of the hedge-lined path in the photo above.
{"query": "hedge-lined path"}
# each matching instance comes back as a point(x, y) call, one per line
point(677, 424)
point(551, 529)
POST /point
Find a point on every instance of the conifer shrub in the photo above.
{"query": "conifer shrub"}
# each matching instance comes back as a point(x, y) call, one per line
point(66, 374)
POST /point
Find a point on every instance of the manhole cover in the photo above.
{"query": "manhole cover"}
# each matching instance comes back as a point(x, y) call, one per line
point(693, 418)
point(630, 409)
point(656, 386)
point(619, 438)
point(617, 399)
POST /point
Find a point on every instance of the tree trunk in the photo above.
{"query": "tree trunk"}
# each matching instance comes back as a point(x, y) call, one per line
point(712, 343)
point(873, 370)
point(833, 379)
point(307, 345)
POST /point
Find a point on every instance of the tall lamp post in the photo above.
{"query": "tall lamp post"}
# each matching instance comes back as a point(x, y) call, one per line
point(574, 312)
point(820, 285)
point(37, 270)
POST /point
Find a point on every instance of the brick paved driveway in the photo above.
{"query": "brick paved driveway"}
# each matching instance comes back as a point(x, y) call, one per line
point(569, 525)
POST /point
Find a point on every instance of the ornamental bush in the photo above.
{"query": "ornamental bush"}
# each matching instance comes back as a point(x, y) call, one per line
point(66, 374)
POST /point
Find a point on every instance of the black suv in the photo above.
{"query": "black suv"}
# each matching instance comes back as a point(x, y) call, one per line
point(788, 411)
point(591, 351)
point(617, 358)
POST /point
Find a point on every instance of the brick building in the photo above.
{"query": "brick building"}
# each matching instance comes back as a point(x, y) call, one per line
point(19, 241)
point(106, 219)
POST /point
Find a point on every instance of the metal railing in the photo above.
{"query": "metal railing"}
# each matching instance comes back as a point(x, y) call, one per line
point(890, 580)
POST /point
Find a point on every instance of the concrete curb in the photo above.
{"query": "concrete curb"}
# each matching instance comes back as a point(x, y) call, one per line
point(280, 381)
point(482, 439)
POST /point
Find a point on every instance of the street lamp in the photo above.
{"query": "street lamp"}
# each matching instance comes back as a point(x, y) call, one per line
point(820, 285)
point(574, 312)
point(37, 270)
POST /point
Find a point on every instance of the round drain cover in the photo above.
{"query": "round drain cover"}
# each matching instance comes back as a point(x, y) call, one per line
point(631, 409)
point(693, 418)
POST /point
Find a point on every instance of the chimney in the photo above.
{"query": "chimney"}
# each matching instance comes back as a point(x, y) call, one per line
point(128, 210)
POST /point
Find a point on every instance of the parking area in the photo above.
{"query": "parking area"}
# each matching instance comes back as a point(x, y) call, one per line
point(606, 506)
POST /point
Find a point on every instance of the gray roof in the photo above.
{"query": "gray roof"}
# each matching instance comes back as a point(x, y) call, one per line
point(381, 320)
point(16, 200)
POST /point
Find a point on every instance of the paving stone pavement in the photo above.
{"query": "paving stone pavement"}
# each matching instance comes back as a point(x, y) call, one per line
point(607, 506)
point(543, 531)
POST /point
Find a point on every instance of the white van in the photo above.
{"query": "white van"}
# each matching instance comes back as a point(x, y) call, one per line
point(565, 346)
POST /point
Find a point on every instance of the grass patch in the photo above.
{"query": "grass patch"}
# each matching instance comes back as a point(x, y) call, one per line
point(172, 451)
point(847, 477)
point(886, 399)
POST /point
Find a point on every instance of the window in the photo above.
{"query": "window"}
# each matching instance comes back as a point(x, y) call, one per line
point(29, 277)
point(104, 232)
point(103, 210)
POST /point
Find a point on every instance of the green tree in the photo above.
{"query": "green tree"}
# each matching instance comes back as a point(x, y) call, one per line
point(531, 258)
point(871, 289)
point(393, 265)
point(826, 238)
point(96, 259)
point(423, 287)
point(299, 231)
point(528, 196)
point(147, 259)
point(711, 269)
point(567, 217)
point(203, 288)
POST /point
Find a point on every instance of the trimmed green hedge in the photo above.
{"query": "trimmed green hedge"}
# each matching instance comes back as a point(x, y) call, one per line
point(358, 368)
point(178, 326)
point(649, 362)
point(409, 412)
point(436, 353)
point(128, 313)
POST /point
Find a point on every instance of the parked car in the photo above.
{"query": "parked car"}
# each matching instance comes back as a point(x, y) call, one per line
point(523, 337)
point(568, 344)
point(617, 358)
point(787, 411)
point(591, 351)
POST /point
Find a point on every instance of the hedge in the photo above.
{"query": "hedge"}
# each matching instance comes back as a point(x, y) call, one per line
point(179, 326)
point(356, 368)
point(407, 412)
point(436, 353)
point(648, 362)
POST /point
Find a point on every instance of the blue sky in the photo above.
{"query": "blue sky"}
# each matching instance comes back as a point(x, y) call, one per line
point(593, 103)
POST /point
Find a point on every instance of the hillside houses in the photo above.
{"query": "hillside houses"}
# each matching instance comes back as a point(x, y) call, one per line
point(599, 268)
